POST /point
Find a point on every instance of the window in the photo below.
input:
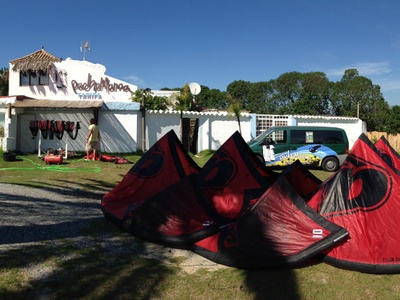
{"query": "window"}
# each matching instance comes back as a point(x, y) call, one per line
point(330, 137)
point(34, 78)
point(43, 78)
point(280, 137)
point(24, 79)
point(298, 136)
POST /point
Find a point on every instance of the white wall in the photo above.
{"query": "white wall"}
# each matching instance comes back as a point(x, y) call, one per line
point(158, 123)
point(119, 131)
point(214, 127)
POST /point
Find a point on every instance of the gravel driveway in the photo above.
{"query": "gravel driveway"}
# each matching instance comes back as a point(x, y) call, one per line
point(36, 215)
point(32, 214)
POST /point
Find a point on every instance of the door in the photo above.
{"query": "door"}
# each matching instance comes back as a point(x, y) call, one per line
point(26, 142)
point(190, 129)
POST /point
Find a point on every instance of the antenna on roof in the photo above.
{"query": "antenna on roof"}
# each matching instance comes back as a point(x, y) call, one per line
point(85, 46)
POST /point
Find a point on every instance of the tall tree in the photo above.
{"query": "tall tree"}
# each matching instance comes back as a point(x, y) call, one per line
point(287, 90)
point(4, 76)
point(260, 98)
point(289, 86)
point(212, 98)
point(393, 120)
point(357, 96)
point(315, 94)
point(151, 101)
point(239, 90)
point(235, 108)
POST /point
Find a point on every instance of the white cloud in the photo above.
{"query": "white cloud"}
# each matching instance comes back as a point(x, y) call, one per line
point(389, 84)
point(364, 69)
point(134, 80)
point(380, 73)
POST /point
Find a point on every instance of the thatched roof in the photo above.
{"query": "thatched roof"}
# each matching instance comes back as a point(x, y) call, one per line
point(40, 60)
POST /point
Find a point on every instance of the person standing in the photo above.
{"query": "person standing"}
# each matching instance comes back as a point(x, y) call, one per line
point(93, 139)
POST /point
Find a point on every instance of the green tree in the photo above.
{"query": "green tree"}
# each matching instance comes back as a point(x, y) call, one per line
point(314, 96)
point(375, 113)
point(4, 77)
point(212, 99)
point(287, 90)
point(343, 97)
point(260, 98)
point(235, 108)
point(357, 96)
point(151, 102)
point(393, 120)
point(239, 90)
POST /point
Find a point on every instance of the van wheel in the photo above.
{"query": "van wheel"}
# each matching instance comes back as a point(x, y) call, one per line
point(330, 164)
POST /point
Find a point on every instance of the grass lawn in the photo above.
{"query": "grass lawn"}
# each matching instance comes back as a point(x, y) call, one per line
point(106, 263)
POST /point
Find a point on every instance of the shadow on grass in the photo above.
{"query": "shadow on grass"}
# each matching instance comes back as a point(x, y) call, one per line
point(87, 268)
point(58, 240)
point(95, 189)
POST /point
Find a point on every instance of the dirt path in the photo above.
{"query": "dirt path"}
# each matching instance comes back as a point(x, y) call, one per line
point(33, 216)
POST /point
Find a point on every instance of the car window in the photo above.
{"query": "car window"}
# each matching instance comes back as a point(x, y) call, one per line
point(298, 136)
point(329, 137)
point(280, 136)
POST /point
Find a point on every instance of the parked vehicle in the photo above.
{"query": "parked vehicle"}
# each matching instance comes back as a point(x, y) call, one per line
point(325, 147)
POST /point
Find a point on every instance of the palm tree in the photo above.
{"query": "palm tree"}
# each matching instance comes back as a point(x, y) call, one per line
point(4, 81)
point(235, 108)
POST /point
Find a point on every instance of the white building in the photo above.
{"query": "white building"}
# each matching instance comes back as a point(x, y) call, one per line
point(45, 88)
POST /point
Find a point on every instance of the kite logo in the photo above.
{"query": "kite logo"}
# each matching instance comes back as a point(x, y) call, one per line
point(151, 166)
point(223, 171)
point(317, 233)
point(208, 223)
point(368, 187)
point(391, 259)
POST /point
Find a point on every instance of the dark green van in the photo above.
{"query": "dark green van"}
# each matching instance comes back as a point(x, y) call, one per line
point(325, 147)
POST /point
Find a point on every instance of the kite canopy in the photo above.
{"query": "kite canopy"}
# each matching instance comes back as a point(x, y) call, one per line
point(363, 197)
point(279, 230)
point(301, 179)
point(234, 178)
point(161, 166)
point(231, 211)
point(235, 211)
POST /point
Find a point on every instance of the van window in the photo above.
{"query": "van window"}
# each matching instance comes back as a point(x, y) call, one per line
point(329, 137)
point(278, 136)
point(317, 137)
point(298, 136)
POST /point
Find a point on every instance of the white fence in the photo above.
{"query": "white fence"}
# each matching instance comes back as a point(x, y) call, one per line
point(121, 130)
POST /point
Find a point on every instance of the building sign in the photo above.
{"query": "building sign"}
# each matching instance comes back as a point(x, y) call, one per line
point(104, 84)
point(95, 96)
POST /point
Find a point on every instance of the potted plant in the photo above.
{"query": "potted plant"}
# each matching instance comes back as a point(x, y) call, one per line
point(9, 156)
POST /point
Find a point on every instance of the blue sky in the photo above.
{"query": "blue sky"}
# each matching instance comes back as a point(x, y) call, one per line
point(159, 43)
